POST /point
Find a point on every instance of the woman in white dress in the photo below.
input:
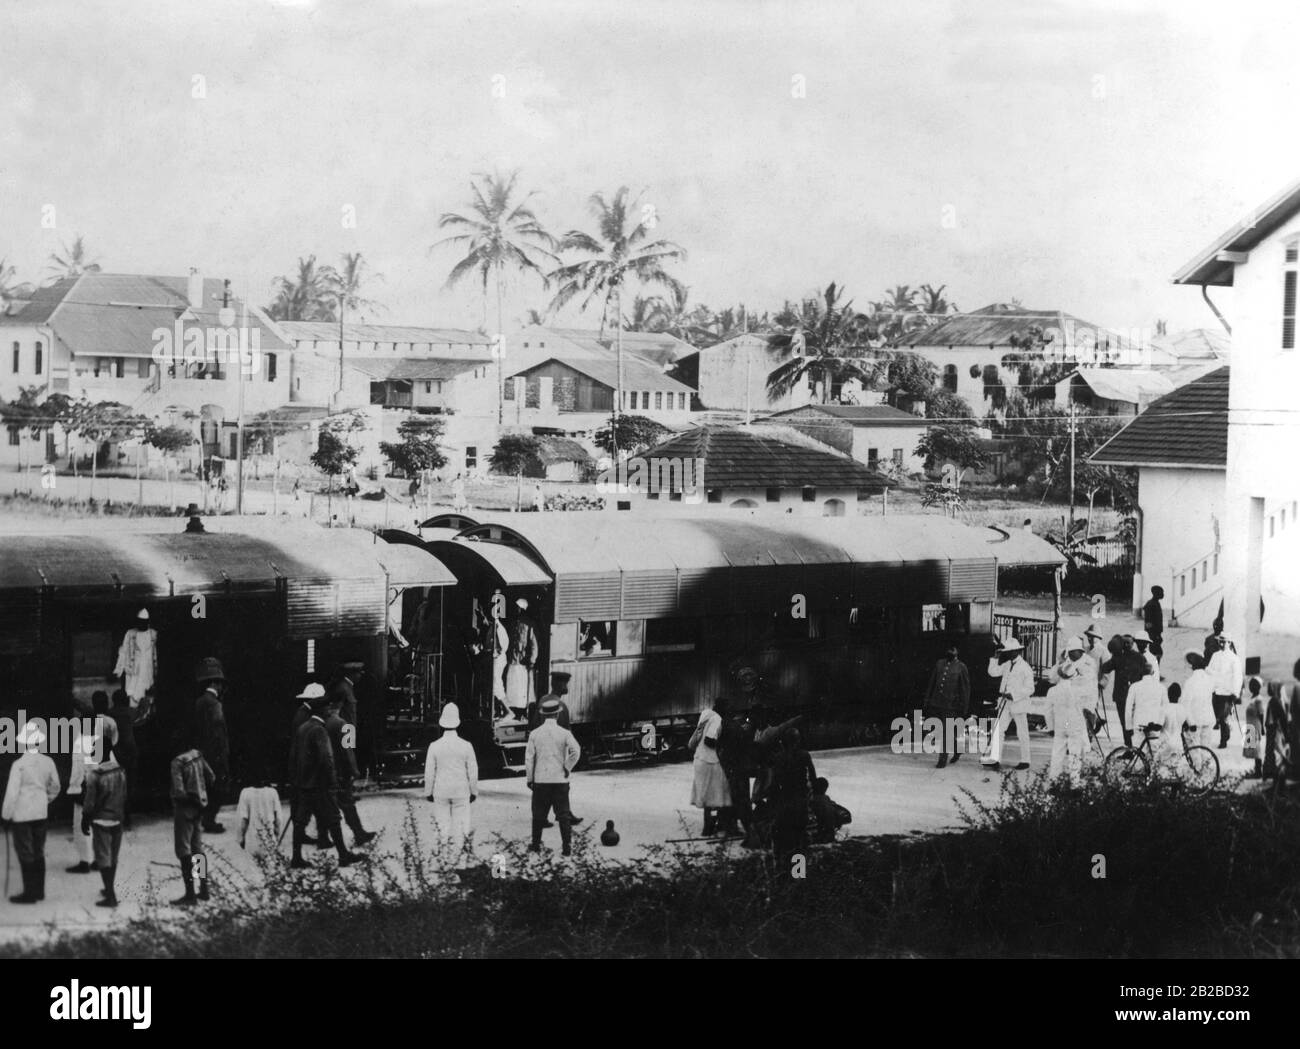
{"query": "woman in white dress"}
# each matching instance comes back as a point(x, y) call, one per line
point(710, 791)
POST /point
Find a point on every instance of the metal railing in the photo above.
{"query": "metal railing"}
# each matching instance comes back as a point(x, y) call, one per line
point(1037, 635)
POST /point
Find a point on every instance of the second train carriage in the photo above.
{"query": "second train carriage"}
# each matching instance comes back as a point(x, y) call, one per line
point(653, 619)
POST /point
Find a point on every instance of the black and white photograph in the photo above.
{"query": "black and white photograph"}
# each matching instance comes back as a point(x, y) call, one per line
point(657, 480)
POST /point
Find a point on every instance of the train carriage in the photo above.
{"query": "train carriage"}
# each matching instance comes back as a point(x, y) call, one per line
point(652, 618)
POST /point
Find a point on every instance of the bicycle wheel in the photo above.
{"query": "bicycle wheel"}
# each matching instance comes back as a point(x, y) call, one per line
point(1125, 765)
point(1203, 766)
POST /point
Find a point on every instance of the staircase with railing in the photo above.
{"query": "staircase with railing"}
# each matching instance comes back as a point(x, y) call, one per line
point(1194, 585)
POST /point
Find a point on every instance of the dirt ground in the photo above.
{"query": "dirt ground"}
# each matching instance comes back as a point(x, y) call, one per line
point(887, 793)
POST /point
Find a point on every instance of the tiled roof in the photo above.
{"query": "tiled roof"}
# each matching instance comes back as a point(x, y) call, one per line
point(637, 374)
point(854, 414)
point(328, 331)
point(382, 369)
point(743, 457)
point(1188, 427)
point(994, 325)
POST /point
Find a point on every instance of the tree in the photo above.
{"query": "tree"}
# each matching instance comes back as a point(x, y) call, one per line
point(343, 290)
point(824, 342)
point(333, 454)
point(517, 455)
point(305, 296)
point(7, 286)
point(1042, 434)
point(643, 309)
point(954, 443)
point(896, 314)
point(25, 416)
point(671, 314)
point(932, 303)
point(97, 422)
point(418, 450)
point(501, 231)
point(170, 441)
point(630, 434)
point(73, 261)
point(620, 249)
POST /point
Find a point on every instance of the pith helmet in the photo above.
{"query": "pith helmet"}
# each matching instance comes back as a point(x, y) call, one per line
point(209, 669)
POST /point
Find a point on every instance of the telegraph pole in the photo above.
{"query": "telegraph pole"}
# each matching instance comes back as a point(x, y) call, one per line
point(242, 341)
point(1072, 429)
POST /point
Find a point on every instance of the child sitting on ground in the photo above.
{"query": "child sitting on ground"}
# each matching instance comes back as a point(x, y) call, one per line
point(828, 817)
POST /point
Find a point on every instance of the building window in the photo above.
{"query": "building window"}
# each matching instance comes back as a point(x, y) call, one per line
point(810, 495)
point(597, 638)
point(873, 457)
point(950, 378)
point(714, 495)
point(40, 358)
point(17, 357)
point(13, 436)
point(270, 367)
point(1182, 586)
point(142, 368)
point(674, 497)
point(681, 402)
point(1216, 564)
point(774, 495)
point(1288, 298)
point(652, 495)
point(898, 457)
point(1271, 522)
point(1205, 571)
point(297, 384)
point(659, 400)
point(471, 456)
point(833, 508)
point(428, 387)
point(672, 635)
point(510, 391)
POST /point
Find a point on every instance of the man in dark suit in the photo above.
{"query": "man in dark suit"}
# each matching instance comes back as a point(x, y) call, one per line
point(947, 696)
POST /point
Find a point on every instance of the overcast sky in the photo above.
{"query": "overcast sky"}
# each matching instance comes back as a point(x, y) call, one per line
point(1080, 152)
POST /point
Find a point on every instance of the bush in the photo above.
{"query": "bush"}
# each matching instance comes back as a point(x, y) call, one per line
point(1183, 875)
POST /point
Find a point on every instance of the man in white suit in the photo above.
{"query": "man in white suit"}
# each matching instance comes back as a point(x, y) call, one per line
point(1014, 694)
point(451, 782)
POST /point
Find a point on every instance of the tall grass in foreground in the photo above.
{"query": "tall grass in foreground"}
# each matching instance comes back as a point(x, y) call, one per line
point(1102, 871)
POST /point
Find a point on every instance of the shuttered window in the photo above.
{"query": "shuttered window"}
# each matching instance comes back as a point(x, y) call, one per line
point(1288, 311)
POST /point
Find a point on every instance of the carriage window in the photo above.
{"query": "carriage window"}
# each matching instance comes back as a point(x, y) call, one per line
point(597, 638)
point(672, 635)
point(788, 628)
point(950, 619)
point(872, 623)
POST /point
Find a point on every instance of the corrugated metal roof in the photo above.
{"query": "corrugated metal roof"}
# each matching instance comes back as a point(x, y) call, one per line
point(1132, 386)
point(37, 308)
point(995, 325)
point(514, 566)
point(637, 374)
point(328, 331)
point(1189, 427)
point(659, 347)
point(385, 369)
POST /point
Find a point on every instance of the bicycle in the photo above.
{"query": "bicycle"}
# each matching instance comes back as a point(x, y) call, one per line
point(1129, 764)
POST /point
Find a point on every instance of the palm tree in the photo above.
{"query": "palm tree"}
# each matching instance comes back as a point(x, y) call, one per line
point(825, 341)
point(642, 315)
point(343, 289)
point(933, 304)
point(501, 230)
point(671, 314)
point(305, 296)
point(618, 251)
point(898, 313)
point(73, 262)
point(7, 286)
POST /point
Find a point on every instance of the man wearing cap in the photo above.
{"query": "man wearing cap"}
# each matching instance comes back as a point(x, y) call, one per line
point(1096, 651)
point(451, 782)
point(1227, 677)
point(1142, 642)
point(211, 737)
point(559, 689)
point(549, 758)
point(137, 659)
point(520, 658)
point(1073, 691)
point(33, 785)
point(314, 782)
point(1014, 694)
point(947, 697)
point(343, 691)
point(309, 695)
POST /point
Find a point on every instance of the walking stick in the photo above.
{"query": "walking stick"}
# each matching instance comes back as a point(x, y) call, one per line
point(6, 861)
point(1002, 703)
